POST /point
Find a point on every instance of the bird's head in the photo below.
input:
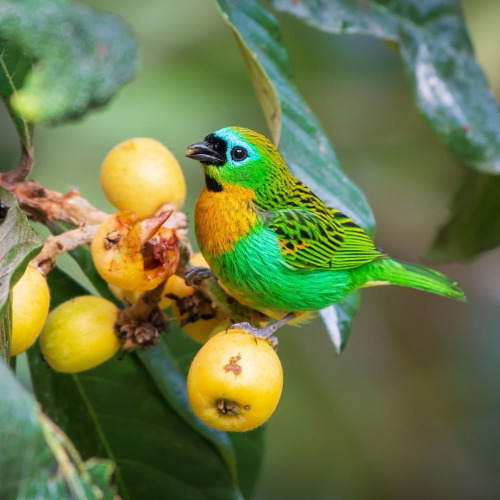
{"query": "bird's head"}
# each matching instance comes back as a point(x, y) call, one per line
point(237, 156)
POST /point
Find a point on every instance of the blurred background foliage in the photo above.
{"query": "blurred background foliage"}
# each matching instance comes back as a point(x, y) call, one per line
point(412, 407)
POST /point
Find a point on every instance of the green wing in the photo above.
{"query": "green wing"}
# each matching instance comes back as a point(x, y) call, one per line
point(329, 240)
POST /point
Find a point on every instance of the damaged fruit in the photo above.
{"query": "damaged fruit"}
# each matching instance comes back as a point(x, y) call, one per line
point(135, 254)
point(235, 381)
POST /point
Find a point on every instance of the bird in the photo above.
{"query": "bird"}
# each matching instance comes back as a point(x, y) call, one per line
point(277, 247)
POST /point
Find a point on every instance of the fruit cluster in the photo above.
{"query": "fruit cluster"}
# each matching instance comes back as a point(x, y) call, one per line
point(235, 380)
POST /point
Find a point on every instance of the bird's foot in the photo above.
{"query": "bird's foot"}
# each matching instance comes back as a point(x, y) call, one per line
point(197, 274)
point(266, 333)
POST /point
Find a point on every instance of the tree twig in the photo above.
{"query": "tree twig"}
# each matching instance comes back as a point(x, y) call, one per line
point(24, 167)
point(44, 205)
point(55, 245)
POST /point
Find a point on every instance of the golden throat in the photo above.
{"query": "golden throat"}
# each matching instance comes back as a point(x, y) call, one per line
point(222, 217)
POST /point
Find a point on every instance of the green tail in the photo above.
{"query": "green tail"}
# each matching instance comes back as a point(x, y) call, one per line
point(415, 276)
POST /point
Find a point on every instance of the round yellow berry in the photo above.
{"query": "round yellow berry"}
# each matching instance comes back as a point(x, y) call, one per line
point(235, 381)
point(141, 174)
point(30, 306)
point(79, 334)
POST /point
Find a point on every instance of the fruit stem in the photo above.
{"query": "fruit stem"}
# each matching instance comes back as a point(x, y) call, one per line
point(55, 245)
point(140, 324)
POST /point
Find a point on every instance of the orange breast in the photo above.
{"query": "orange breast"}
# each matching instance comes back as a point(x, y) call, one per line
point(223, 217)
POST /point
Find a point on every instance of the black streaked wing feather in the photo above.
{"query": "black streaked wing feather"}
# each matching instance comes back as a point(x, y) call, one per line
point(327, 240)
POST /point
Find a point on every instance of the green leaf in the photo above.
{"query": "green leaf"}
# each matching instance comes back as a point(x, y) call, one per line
point(301, 139)
point(337, 319)
point(168, 365)
point(449, 86)
point(172, 385)
point(302, 142)
point(19, 243)
point(165, 370)
point(14, 66)
point(474, 226)
point(116, 410)
point(37, 460)
point(82, 56)
point(249, 448)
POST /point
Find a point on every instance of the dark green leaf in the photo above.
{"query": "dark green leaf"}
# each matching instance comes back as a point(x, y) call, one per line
point(117, 411)
point(172, 385)
point(14, 66)
point(161, 365)
point(448, 84)
point(82, 56)
point(37, 460)
point(168, 365)
point(302, 141)
point(338, 319)
point(62, 287)
point(19, 243)
point(474, 226)
point(249, 448)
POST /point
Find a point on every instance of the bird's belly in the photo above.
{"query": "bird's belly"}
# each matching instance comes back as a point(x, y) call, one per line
point(257, 275)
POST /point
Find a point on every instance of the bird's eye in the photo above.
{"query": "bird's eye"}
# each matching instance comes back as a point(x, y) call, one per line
point(238, 154)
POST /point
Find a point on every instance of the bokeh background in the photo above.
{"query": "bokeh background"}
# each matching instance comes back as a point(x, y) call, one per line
point(411, 409)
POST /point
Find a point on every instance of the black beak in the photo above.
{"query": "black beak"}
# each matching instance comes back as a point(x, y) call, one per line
point(204, 152)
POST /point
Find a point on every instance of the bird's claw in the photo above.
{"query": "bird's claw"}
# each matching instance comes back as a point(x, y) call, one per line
point(197, 274)
point(266, 333)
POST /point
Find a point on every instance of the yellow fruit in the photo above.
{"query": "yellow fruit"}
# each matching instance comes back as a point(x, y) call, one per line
point(30, 306)
point(235, 382)
point(141, 174)
point(132, 254)
point(79, 334)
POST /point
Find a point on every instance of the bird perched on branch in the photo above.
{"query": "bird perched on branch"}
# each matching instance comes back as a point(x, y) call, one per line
point(275, 246)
